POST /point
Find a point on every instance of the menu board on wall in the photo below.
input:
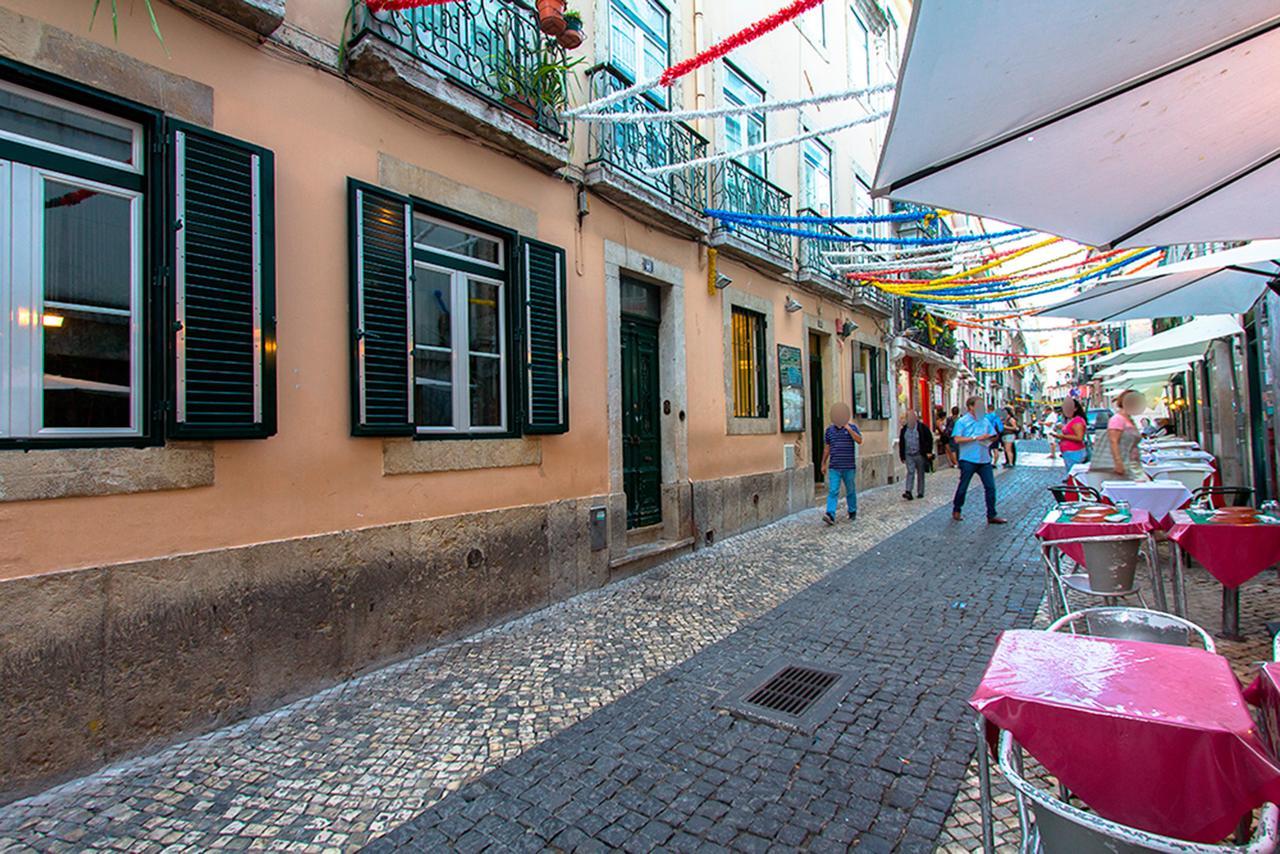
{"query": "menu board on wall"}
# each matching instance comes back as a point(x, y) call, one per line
point(791, 388)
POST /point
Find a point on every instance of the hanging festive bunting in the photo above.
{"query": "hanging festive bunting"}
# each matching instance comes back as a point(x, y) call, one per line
point(886, 241)
point(400, 5)
point(772, 219)
point(1037, 360)
point(650, 116)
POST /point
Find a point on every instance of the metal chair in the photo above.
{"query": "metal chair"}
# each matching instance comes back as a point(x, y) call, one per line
point(1137, 624)
point(1095, 479)
point(1191, 478)
point(1110, 564)
point(1061, 827)
point(1083, 493)
point(1224, 496)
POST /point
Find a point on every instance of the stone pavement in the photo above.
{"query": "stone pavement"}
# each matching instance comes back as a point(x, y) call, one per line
point(618, 685)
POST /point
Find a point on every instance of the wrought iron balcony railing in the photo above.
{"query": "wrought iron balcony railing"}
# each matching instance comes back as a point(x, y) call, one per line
point(934, 228)
point(814, 262)
point(737, 188)
point(492, 47)
point(633, 148)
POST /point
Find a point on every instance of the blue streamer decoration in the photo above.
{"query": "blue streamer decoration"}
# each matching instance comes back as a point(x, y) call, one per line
point(754, 219)
point(877, 241)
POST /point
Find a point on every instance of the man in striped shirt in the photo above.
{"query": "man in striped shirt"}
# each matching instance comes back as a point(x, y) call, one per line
point(840, 462)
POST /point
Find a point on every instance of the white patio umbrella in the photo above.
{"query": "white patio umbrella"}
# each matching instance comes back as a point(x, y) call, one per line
point(1227, 282)
point(1173, 365)
point(1182, 342)
point(1142, 123)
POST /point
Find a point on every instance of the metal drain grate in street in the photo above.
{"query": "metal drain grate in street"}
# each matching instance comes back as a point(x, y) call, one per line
point(790, 694)
point(793, 690)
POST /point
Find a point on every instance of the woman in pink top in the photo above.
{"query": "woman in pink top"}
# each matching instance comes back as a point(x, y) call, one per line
point(1119, 455)
point(1071, 438)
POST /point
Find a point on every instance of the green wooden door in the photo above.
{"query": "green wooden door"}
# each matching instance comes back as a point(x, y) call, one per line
point(817, 405)
point(641, 442)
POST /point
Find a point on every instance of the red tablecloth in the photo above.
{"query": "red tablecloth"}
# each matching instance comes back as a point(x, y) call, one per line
point(1152, 736)
point(1264, 692)
point(1140, 523)
point(1232, 553)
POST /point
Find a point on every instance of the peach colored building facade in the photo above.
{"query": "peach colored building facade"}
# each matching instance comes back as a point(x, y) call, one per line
point(165, 580)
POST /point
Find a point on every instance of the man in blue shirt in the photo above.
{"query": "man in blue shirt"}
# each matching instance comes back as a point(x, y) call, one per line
point(973, 434)
point(839, 462)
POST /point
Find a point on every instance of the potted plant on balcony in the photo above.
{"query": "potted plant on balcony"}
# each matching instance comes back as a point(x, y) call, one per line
point(571, 38)
point(551, 16)
point(539, 86)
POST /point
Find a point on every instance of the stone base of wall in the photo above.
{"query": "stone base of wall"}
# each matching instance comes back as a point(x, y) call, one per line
point(731, 505)
point(100, 663)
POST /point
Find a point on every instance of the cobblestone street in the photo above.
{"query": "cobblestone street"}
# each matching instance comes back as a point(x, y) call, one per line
point(593, 725)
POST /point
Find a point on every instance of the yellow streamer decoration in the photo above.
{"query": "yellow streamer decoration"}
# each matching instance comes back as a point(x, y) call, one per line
point(1040, 359)
point(912, 289)
point(712, 272)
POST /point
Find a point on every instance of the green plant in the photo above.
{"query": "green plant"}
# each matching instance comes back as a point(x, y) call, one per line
point(541, 79)
point(572, 17)
point(115, 19)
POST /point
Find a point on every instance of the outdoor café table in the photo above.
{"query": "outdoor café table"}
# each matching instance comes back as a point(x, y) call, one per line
point(1058, 525)
point(1231, 552)
point(1157, 497)
point(1175, 443)
point(1153, 736)
point(1264, 692)
point(1169, 456)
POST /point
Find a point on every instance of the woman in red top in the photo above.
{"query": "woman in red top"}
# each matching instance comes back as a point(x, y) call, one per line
point(1071, 439)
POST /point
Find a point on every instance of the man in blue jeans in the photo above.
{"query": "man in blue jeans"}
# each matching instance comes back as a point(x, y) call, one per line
point(840, 463)
point(973, 434)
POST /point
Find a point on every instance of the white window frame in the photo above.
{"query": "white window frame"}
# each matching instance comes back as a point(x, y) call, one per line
point(22, 228)
point(864, 77)
point(640, 31)
point(807, 166)
point(435, 250)
point(135, 166)
point(460, 351)
point(732, 144)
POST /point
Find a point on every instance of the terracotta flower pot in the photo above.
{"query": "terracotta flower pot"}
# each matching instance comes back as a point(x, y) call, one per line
point(551, 16)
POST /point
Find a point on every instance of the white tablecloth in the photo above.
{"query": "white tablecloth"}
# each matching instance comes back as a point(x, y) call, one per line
point(1158, 497)
point(1189, 454)
point(1176, 443)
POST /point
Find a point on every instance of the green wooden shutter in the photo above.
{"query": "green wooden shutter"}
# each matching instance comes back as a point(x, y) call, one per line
point(223, 325)
point(381, 312)
point(546, 340)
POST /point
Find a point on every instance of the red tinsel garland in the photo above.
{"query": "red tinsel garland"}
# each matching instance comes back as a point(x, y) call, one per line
point(398, 5)
point(738, 39)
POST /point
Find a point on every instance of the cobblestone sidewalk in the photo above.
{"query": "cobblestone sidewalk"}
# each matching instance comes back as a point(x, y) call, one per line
point(663, 769)
point(344, 766)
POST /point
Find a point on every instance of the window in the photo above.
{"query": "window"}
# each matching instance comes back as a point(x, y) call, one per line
point(460, 330)
point(870, 383)
point(640, 40)
point(863, 205)
point(443, 325)
point(82, 296)
point(750, 370)
point(816, 179)
point(815, 24)
point(745, 130)
point(859, 53)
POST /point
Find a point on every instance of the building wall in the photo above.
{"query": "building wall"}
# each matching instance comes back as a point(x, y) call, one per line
point(148, 592)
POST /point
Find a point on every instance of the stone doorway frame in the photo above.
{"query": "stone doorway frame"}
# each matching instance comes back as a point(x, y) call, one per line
point(677, 507)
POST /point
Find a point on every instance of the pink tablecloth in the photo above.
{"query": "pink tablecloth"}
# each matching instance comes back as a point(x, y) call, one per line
point(1232, 553)
point(1153, 736)
point(1140, 523)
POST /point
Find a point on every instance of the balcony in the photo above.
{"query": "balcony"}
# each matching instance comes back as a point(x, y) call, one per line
point(914, 321)
point(933, 229)
point(815, 268)
point(480, 66)
point(620, 154)
point(736, 188)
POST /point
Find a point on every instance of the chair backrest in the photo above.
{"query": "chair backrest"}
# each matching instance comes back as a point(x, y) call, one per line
point(1063, 494)
point(1190, 478)
point(1061, 828)
point(1138, 624)
point(1112, 564)
point(1222, 496)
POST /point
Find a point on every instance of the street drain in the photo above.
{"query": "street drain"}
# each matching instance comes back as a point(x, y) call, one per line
point(790, 694)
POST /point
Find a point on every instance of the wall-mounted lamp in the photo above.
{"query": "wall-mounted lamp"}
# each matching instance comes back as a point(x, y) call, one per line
point(846, 328)
point(791, 305)
point(723, 281)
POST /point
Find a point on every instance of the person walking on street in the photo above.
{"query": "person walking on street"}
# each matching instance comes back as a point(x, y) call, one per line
point(915, 448)
point(840, 462)
point(997, 434)
point(952, 449)
point(1072, 436)
point(1009, 436)
point(973, 433)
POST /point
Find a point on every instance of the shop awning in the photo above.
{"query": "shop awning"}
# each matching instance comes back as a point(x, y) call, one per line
point(1143, 123)
point(1182, 342)
point(1227, 282)
point(1172, 365)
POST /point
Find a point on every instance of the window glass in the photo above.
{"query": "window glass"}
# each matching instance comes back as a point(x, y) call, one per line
point(817, 177)
point(640, 40)
point(749, 368)
point(432, 234)
point(641, 300)
point(460, 346)
point(861, 395)
point(859, 53)
point(433, 346)
point(746, 130)
point(48, 121)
